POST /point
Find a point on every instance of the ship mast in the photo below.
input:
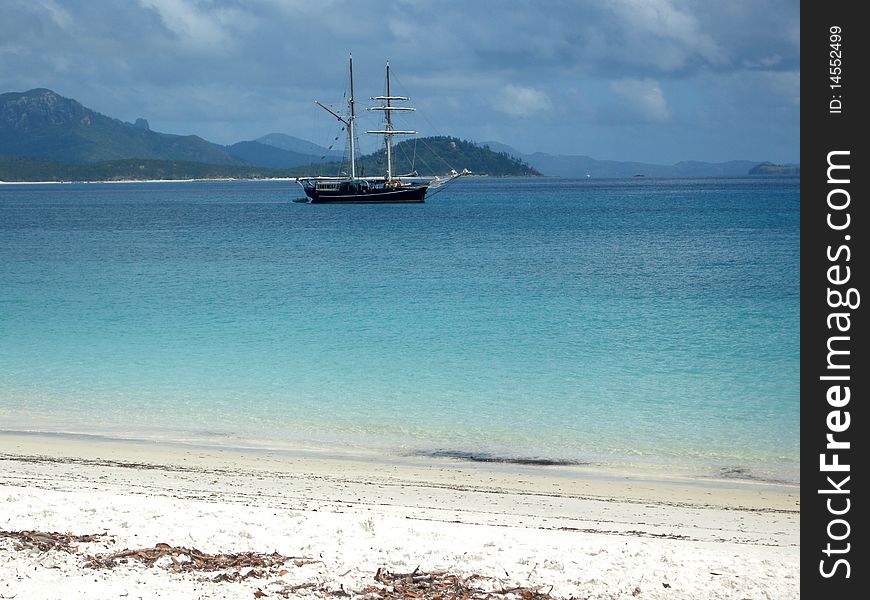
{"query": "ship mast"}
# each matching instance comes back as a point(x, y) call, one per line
point(348, 123)
point(388, 139)
point(388, 132)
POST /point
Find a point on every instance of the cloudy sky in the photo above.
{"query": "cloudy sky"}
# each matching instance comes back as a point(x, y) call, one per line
point(650, 80)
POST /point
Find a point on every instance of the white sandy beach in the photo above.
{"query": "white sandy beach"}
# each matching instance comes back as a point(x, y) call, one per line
point(111, 181)
point(196, 180)
point(567, 531)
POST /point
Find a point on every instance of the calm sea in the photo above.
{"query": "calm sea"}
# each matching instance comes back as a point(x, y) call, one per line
point(628, 322)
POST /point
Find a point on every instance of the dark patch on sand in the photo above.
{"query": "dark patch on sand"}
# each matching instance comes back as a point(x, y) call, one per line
point(485, 457)
point(745, 474)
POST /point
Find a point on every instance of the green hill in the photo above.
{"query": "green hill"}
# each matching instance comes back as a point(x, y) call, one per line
point(453, 153)
point(16, 168)
point(42, 124)
point(436, 156)
point(47, 137)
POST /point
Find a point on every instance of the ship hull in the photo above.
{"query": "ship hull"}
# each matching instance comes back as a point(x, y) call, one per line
point(404, 195)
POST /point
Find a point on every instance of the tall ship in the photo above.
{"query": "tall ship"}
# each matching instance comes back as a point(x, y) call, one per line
point(390, 187)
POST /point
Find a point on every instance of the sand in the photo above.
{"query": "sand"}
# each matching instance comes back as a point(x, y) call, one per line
point(112, 181)
point(570, 531)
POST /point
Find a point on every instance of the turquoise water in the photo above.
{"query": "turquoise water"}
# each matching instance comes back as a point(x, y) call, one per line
point(647, 322)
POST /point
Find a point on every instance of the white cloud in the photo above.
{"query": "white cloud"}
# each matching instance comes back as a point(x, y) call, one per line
point(642, 97)
point(664, 35)
point(521, 101)
point(765, 62)
point(58, 14)
point(201, 28)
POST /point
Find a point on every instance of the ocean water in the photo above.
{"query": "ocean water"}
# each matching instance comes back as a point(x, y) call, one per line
point(641, 322)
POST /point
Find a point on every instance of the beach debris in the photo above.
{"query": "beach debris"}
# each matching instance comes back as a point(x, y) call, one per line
point(52, 540)
point(237, 566)
point(241, 566)
point(289, 590)
point(445, 586)
point(234, 576)
point(629, 532)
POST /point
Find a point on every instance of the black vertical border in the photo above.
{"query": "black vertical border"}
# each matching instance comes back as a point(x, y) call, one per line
point(824, 131)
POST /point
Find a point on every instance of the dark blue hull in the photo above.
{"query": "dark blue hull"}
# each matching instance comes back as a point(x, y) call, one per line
point(405, 194)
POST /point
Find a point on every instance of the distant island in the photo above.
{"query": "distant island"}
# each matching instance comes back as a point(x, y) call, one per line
point(431, 155)
point(47, 137)
point(563, 165)
point(772, 169)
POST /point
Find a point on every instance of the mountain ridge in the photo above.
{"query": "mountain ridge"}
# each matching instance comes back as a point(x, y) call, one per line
point(48, 128)
point(263, 155)
point(46, 136)
point(42, 124)
point(294, 144)
point(578, 165)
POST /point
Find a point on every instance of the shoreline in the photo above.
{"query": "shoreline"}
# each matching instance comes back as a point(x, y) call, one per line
point(226, 179)
point(651, 468)
point(94, 445)
point(472, 176)
point(101, 181)
point(584, 535)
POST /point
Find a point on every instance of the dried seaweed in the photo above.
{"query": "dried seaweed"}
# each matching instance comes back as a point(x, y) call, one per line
point(440, 585)
point(182, 560)
point(290, 590)
point(240, 566)
point(45, 540)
